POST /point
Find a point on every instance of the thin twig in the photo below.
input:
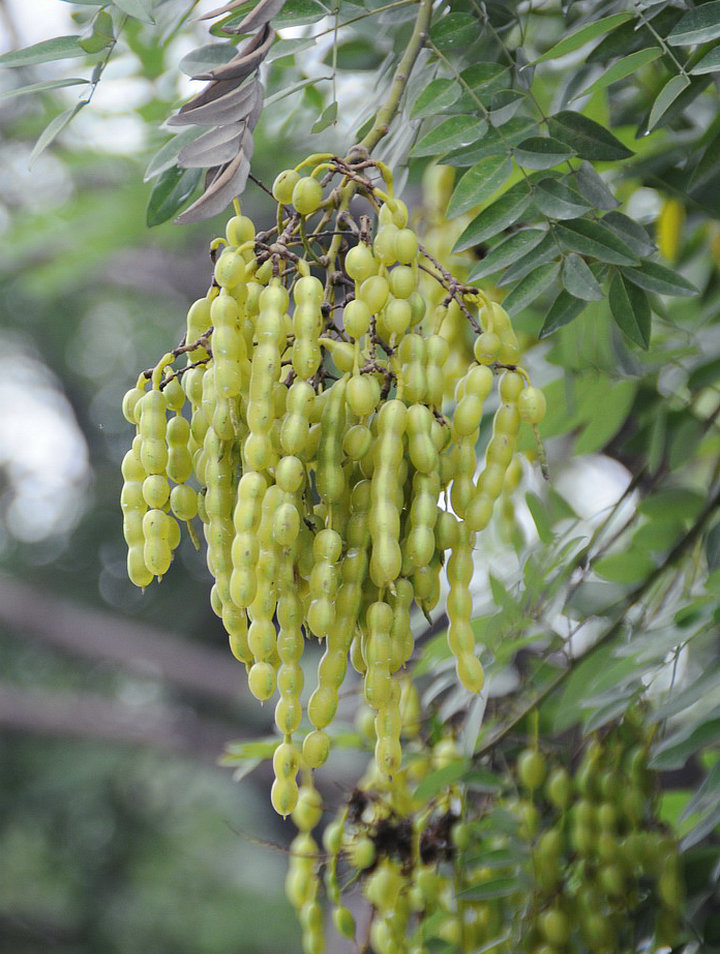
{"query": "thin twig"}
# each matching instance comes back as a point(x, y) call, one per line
point(633, 598)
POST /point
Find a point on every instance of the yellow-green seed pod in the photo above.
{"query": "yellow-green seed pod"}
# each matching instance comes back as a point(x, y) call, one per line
point(412, 354)
point(343, 921)
point(406, 246)
point(286, 523)
point(362, 394)
point(532, 405)
point(341, 352)
point(138, 573)
point(156, 490)
point(308, 810)
point(236, 626)
point(261, 680)
point(133, 527)
point(284, 795)
point(296, 423)
point(386, 558)
point(437, 351)
point(179, 464)
point(322, 706)
point(282, 188)
point(152, 429)
point(403, 281)
point(229, 269)
point(239, 230)
point(307, 325)
point(356, 318)
point(329, 472)
point(132, 468)
point(307, 195)
point(198, 322)
point(316, 747)
point(421, 449)
point(360, 263)
point(511, 386)
point(374, 292)
point(130, 405)
point(357, 441)
point(384, 248)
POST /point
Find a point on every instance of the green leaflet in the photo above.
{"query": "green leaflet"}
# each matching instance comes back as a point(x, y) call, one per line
point(710, 63)
point(170, 192)
point(478, 184)
point(206, 58)
point(591, 186)
point(454, 31)
point(503, 212)
point(327, 118)
point(507, 252)
point(667, 96)
point(589, 139)
point(630, 309)
point(579, 280)
point(452, 133)
point(596, 240)
point(59, 48)
point(140, 9)
point(435, 98)
point(563, 310)
point(557, 200)
point(167, 154)
point(544, 251)
point(622, 68)
point(654, 277)
point(529, 288)
point(42, 86)
point(697, 26)
point(616, 399)
point(541, 152)
point(584, 35)
point(53, 130)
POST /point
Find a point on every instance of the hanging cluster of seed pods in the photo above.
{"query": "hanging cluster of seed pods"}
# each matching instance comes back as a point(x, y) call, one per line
point(313, 422)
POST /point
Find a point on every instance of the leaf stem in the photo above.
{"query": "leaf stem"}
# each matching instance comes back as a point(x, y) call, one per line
point(101, 64)
point(362, 16)
point(667, 50)
point(385, 114)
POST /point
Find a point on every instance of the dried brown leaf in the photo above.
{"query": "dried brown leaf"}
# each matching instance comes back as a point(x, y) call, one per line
point(254, 113)
point(247, 60)
point(234, 105)
point(228, 182)
point(206, 95)
point(214, 148)
point(263, 12)
point(221, 11)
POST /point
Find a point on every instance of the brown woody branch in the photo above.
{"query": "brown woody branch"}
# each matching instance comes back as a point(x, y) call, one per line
point(173, 729)
point(150, 651)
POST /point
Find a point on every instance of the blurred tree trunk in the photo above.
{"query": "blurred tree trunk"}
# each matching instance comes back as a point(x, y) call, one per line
point(151, 652)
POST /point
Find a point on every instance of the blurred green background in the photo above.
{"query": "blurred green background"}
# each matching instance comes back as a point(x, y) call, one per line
point(119, 832)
